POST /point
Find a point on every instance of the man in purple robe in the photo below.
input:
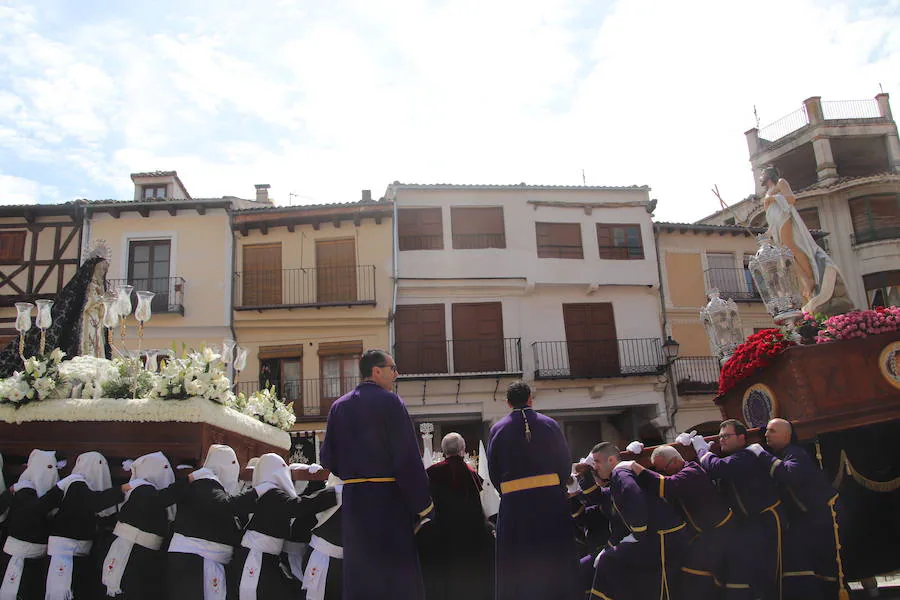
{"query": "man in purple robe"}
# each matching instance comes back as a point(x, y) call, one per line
point(754, 570)
point(686, 485)
point(371, 445)
point(811, 564)
point(528, 460)
point(644, 564)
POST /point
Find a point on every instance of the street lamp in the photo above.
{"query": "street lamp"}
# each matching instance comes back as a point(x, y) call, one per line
point(670, 349)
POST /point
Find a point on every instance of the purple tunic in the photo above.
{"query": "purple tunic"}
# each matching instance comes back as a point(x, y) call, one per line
point(370, 435)
point(536, 553)
point(647, 567)
point(753, 571)
point(810, 562)
point(694, 493)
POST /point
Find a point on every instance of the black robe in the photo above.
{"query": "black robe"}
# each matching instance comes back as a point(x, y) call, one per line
point(27, 521)
point(457, 548)
point(330, 531)
point(77, 519)
point(205, 511)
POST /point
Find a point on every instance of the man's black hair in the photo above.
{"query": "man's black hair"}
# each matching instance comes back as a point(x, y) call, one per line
point(376, 357)
point(517, 394)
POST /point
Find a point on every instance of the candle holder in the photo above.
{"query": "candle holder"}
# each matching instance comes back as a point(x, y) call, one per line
point(240, 363)
point(110, 315)
point(44, 320)
point(23, 324)
point(123, 296)
point(142, 313)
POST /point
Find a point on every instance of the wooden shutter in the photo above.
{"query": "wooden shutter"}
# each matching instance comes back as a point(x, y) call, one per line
point(12, 247)
point(874, 214)
point(591, 339)
point(420, 229)
point(421, 344)
point(559, 240)
point(478, 337)
point(620, 241)
point(477, 227)
point(352, 348)
point(810, 218)
point(262, 275)
point(335, 271)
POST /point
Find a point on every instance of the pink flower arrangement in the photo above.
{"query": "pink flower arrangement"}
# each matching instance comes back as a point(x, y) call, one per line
point(860, 324)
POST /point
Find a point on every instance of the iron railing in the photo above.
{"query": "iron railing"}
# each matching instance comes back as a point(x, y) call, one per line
point(471, 241)
point(875, 234)
point(696, 374)
point(458, 357)
point(169, 292)
point(850, 109)
point(312, 398)
point(598, 358)
point(785, 125)
point(293, 288)
point(736, 284)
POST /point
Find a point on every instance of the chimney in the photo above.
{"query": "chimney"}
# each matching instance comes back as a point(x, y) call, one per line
point(262, 193)
point(367, 195)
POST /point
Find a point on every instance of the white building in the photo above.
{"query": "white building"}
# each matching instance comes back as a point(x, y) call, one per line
point(555, 285)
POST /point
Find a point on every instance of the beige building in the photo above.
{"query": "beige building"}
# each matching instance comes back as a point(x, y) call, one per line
point(842, 159)
point(550, 284)
point(694, 259)
point(312, 288)
point(177, 246)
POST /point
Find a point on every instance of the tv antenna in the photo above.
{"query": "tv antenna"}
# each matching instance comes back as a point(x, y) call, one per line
point(291, 197)
point(583, 178)
point(756, 116)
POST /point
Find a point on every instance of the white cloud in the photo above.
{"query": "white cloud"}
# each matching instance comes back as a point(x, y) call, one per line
point(18, 190)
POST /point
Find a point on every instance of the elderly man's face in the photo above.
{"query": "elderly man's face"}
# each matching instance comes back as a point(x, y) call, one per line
point(668, 465)
point(778, 435)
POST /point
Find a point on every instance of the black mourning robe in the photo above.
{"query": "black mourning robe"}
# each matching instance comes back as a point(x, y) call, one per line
point(27, 521)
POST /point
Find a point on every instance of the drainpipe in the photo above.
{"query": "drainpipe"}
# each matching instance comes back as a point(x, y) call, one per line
point(665, 327)
point(231, 287)
point(395, 249)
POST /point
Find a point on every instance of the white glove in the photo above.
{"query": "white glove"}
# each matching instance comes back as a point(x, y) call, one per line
point(573, 488)
point(756, 449)
point(21, 485)
point(628, 539)
point(183, 467)
point(700, 445)
point(589, 461)
point(264, 487)
point(635, 447)
point(625, 464)
point(597, 560)
point(314, 468)
point(685, 438)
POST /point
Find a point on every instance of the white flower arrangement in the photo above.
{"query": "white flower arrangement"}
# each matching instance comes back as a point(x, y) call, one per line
point(39, 380)
point(86, 373)
point(196, 375)
point(127, 378)
point(265, 406)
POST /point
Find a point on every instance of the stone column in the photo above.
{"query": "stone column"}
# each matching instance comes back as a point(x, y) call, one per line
point(826, 170)
point(891, 140)
point(884, 106)
point(814, 109)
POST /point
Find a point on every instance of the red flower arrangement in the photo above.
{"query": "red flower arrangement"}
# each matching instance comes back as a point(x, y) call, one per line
point(755, 353)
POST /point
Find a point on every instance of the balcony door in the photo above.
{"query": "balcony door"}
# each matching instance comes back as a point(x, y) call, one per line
point(478, 337)
point(335, 271)
point(421, 345)
point(261, 279)
point(591, 339)
point(148, 269)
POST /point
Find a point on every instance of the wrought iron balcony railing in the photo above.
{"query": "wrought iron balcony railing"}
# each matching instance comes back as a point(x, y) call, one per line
point(169, 292)
point(587, 359)
point(458, 357)
point(298, 288)
point(696, 374)
point(875, 234)
point(736, 284)
point(312, 398)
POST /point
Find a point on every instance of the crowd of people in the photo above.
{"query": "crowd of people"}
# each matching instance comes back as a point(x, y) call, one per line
point(741, 521)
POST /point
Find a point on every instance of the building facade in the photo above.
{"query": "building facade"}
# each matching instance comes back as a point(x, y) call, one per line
point(554, 285)
point(842, 159)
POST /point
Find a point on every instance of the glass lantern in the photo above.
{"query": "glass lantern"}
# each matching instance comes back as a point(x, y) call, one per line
point(723, 325)
point(776, 280)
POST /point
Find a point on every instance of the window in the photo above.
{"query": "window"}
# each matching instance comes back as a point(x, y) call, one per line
point(336, 271)
point(559, 240)
point(478, 345)
point(12, 247)
point(286, 374)
point(148, 269)
point(591, 342)
point(477, 227)
point(261, 280)
point(810, 218)
point(339, 363)
point(153, 192)
point(749, 287)
point(420, 229)
point(875, 217)
point(722, 275)
point(421, 344)
point(882, 289)
point(620, 241)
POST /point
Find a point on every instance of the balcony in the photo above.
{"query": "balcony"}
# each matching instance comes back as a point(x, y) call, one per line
point(304, 288)
point(463, 358)
point(588, 359)
point(875, 234)
point(736, 284)
point(312, 398)
point(696, 374)
point(169, 298)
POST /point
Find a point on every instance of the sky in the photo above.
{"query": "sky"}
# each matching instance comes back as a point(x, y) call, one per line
point(323, 99)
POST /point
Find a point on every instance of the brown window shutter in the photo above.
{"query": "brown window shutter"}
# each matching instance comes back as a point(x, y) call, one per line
point(287, 351)
point(354, 347)
point(882, 279)
point(475, 227)
point(420, 229)
point(559, 240)
point(874, 213)
point(12, 246)
point(810, 218)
